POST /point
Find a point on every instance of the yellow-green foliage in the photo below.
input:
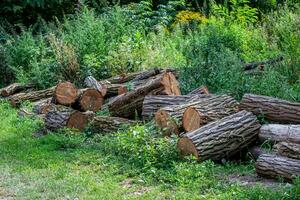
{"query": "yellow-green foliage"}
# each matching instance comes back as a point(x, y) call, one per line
point(187, 16)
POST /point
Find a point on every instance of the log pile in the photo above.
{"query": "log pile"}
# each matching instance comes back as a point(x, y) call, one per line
point(209, 126)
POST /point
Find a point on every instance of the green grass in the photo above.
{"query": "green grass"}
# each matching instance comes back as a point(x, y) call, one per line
point(60, 166)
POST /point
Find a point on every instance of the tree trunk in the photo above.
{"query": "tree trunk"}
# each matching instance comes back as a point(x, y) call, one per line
point(115, 90)
point(15, 88)
point(272, 108)
point(221, 139)
point(280, 133)
point(31, 96)
point(152, 103)
point(105, 124)
point(171, 119)
point(200, 90)
point(43, 106)
point(65, 117)
point(129, 104)
point(91, 82)
point(89, 100)
point(288, 149)
point(65, 94)
point(274, 166)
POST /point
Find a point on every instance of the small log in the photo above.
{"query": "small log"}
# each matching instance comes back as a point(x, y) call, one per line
point(43, 106)
point(280, 133)
point(105, 124)
point(288, 149)
point(171, 119)
point(221, 139)
point(16, 99)
point(274, 109)
point(152, 103)
point(253, 65)
point(15, 88)
point(65, 94)
point(89, 100)
point(91, 82)
point(65, 117)
point(200, 90)
point(129, 104)
point(274, 166)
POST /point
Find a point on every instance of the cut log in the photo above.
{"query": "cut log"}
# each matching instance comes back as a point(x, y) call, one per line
point(89, 100)
point(129, 104)
point(31, 96)
point(152, 103)
point(194, 114)
point(15, 88)
point(221, 139)
point(115, 90)
point(274, 109)
point(91, 82)
point(280, 133)
point(274, 166)
point(65, 94)
point(105, 124)
point(65, 117)
point(200, 90)
point(43, 106)
point(288, 149)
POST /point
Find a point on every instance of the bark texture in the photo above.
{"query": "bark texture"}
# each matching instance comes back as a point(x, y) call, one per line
point(221, 139)
point(288, 149)
point(274, 109)
point(200, 90)
point(279, 133)
point(274, 166)
point(15, 88)
point(91, 82)
point(42, 106)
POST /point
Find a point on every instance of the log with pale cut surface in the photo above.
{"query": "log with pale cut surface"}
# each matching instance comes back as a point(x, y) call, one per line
point(106, 124)
point(275, 166)
point(171, 119)
point(89, 100)
point(280, 132)
point(16, 99)
point(65, 94)
point(91, 82)
point(129, 104)
point(65, 117)
point(288, 149)
point(271, 108)
point(221, 139)
point(15, 88)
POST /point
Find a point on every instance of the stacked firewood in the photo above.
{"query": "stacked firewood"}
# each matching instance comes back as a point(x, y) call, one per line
point(209, 126)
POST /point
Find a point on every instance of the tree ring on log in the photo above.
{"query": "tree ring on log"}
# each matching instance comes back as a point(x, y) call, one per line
point(191, 119)
point(166, 123)
point(78, 120)
point(186, 147)
point(65, 93)
point(91, 100)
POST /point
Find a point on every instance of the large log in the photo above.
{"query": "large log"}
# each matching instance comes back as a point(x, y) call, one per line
point(89, 100)
point(171, 119)
point(66, 117)
point(280, 133)
point(15, 88)
point(43, 106)
point(129, 104)
point(65, 93)
point(91, 82)
point(16, 99)
point(272, 108)
point(221, 139)
point(288, 149)
point(105, 124)
point(152, 103)
point(274, 166)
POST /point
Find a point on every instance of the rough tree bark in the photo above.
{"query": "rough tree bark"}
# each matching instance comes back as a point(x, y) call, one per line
point(200, 90)
point(288, 149)
point(42, 106)
point(129, 104)
point(31, 96)
point(15, 88)
point(65, 94)
point(272, 108)
point(280, 133)
point(221, 139)
point(115, 90)
point(274, 166)
point(105, 124)
point(89, 99)
point(91, 82)
point(170, 119)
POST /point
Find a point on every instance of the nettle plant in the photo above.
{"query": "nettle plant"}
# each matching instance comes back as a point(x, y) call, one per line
point(237, 11)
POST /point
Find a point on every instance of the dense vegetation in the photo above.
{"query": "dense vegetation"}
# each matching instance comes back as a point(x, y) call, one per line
point(207, 41)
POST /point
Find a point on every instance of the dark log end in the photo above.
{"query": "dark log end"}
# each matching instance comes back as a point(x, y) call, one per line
point(79, 120)
point(167, 125)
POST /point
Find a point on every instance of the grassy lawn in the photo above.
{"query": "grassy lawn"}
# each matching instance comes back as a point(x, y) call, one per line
point(70, 166)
